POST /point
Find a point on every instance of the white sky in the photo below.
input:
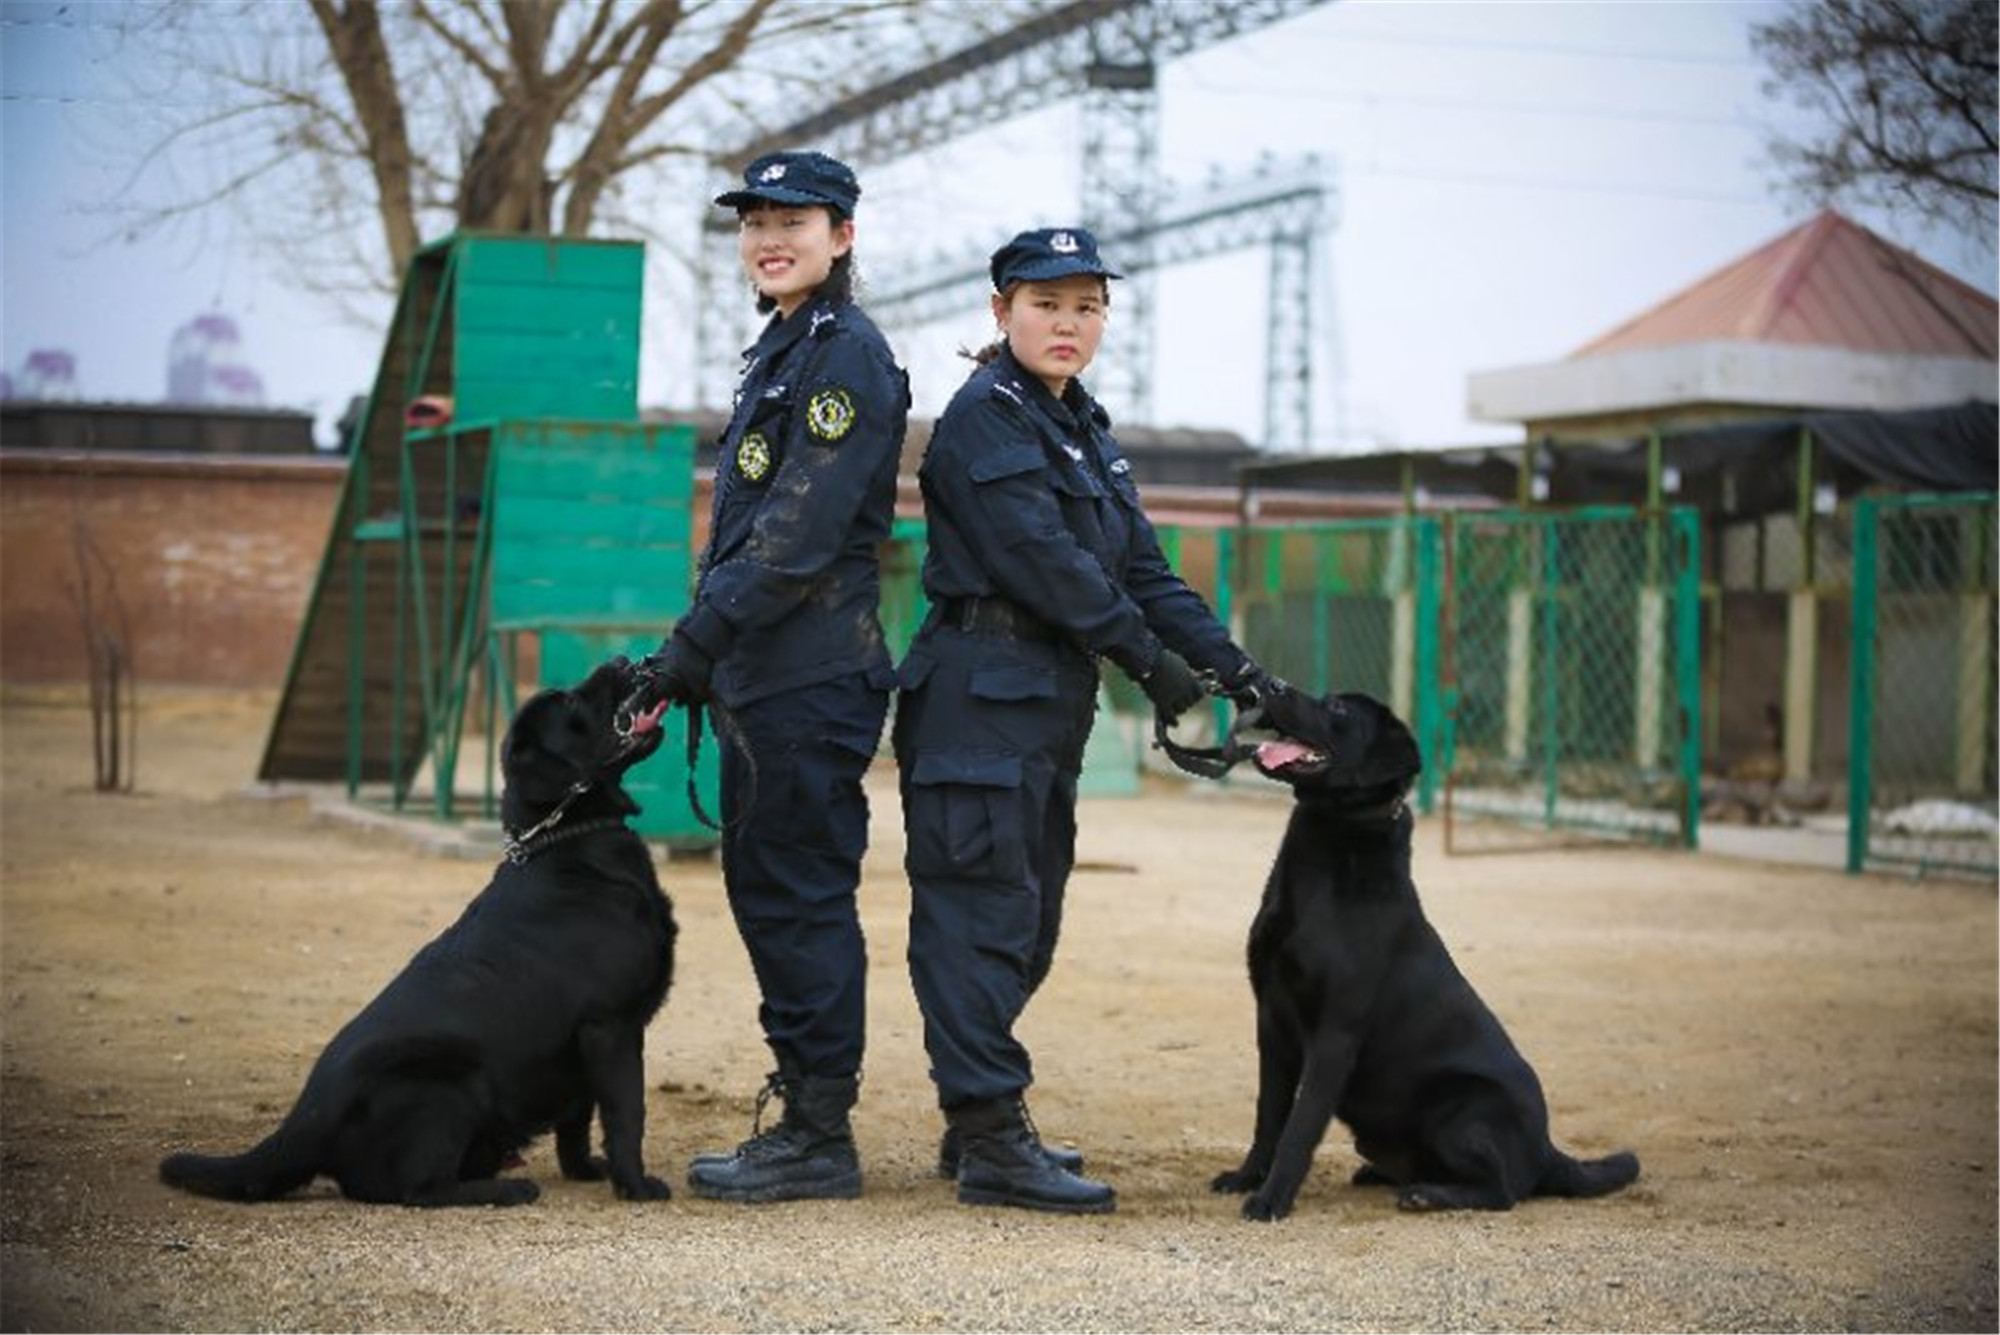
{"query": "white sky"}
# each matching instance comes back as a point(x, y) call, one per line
point(1513, 179)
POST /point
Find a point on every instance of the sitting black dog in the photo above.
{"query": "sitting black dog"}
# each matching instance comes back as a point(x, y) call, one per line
point(1361, 1013)
point(527, 1013)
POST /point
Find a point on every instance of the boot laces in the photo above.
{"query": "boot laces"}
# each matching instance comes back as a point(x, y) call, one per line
point(774, 1088)
point(762, 1138)
point(1028, 1125)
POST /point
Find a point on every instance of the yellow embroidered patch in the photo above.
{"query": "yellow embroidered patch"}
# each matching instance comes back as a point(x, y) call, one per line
point(753, 457)
point(830, 414)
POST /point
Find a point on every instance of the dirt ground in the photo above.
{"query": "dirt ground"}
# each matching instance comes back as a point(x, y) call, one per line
point(1805, 1063)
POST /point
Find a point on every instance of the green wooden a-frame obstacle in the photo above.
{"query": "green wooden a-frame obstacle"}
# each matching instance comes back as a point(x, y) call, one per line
point(529, 504)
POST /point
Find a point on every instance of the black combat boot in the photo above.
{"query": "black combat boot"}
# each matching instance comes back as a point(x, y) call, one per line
point(1069, 1160)
point(808, 1155)
point(1003, 1163)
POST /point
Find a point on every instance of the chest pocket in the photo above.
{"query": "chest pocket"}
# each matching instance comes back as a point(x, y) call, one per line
point(760, 445)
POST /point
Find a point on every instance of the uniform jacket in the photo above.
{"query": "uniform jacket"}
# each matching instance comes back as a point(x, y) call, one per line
point(1030, 499)
point(805, 492)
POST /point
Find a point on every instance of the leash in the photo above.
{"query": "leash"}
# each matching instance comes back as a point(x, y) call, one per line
point(522, 845)
point(1205, 762)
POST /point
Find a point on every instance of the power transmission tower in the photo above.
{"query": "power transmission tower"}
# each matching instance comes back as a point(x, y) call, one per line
point(1107, 52)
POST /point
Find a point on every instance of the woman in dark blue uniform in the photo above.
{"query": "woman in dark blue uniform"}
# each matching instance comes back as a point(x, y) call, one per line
point(1040, 562)
point(784, 633)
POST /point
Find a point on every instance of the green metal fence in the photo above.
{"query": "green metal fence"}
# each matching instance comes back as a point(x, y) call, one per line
point(1352, 606)
point(1921, 786)
point(1572, 677)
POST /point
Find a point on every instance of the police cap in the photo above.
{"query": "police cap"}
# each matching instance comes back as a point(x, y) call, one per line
point(796, 179)
point(1046, 253)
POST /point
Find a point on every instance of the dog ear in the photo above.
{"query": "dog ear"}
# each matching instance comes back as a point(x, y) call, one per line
point(1381, 747)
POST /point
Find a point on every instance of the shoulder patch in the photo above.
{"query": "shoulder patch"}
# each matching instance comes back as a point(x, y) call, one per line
point(830, 413)
point(753, 457)
point(1006, 389)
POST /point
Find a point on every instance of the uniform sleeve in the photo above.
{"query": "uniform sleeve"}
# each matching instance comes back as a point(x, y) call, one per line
point(987, 468)
point(850, 411)
point(1173, 611)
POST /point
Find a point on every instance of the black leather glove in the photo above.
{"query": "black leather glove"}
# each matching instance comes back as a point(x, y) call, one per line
point(1302, 718)
point(1252, 686)
point(1172, 686)
point(677, 672)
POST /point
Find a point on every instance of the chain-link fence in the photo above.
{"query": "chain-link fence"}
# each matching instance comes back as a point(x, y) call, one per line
point(1572, 678)
point(1351, 606)
point(1921, 787)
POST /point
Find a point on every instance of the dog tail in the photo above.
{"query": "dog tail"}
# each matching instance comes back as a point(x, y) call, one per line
point(1588, 1177)
point(277, 1167)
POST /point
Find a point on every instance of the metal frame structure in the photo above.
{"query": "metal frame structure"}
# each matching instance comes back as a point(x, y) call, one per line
point(1106, 52)
point(1285, 206)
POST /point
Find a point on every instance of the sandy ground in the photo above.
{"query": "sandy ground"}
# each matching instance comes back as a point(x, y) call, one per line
point(1805, 1063)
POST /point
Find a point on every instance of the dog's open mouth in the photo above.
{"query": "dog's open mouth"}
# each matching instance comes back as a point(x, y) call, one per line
point(1285, 756)
point(646, 722)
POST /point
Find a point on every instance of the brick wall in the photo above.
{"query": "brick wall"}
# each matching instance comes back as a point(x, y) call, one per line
point(213, 558)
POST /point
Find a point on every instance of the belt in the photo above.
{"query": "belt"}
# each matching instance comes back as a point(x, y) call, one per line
point(998, 617)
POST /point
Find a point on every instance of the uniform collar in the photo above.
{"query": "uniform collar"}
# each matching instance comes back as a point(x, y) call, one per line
point(1071, 411)
point(783, 331)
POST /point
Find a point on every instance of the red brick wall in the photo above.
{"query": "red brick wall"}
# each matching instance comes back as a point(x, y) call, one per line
point(214, 559)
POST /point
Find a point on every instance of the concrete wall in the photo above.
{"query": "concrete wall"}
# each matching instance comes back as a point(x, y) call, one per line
point(213, 559)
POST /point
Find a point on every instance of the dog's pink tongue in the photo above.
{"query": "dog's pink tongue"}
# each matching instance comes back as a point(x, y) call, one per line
point(646, 722)
point(1278, 754)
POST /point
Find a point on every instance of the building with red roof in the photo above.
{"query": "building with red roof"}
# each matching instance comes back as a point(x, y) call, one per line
point(1828, 316)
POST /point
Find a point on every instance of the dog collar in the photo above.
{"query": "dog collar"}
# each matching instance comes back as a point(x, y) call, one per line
point(1393, 809)
point(519, 848)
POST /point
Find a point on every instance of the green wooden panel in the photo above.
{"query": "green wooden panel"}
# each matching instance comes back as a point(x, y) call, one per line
point(519, 395)
point(545, 328)
point(553, 262)
point(545, 354)
point(542, 601)
point(602, 463)
point(622, 522)
point(592, 521)
point(586, 312)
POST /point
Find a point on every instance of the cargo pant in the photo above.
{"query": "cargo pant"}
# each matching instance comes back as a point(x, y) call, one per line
point(989, 736)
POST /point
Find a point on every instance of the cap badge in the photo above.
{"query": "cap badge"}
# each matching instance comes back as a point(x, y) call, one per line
point(830, 414)
point(753, 457)
point(1062, 243)
point(774, 172)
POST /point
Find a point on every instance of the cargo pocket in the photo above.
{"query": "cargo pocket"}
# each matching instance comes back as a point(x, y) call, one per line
point(963, 816)
point(1014, 681)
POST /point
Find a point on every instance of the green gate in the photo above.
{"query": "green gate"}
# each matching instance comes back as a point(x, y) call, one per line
point(1921, 784)
point(1572, 678)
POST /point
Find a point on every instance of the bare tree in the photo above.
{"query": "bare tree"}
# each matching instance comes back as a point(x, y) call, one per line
point(350, 130)
point(1907, 90)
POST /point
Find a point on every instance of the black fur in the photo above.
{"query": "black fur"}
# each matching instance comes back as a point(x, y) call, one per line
point(1361, 1013)
point(526, 1015)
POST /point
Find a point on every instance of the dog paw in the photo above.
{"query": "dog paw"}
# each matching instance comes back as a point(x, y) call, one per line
point(1261, 1209)
point(1237, 1181)
point(646, 1189)
point(516, 1191)
point(585, 1170)
point(1418, 1201)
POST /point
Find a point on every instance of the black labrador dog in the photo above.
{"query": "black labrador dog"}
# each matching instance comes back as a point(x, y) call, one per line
point(526, 1014)
point(1361, 1013)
